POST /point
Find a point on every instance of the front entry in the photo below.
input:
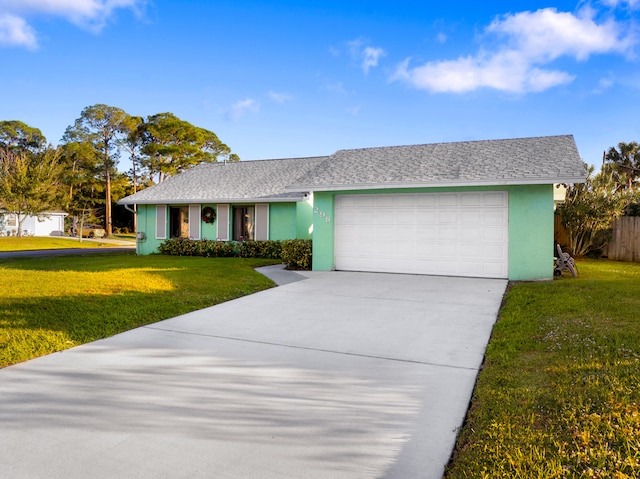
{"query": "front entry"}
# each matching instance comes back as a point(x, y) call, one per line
point(179, 221)
point(243, 223)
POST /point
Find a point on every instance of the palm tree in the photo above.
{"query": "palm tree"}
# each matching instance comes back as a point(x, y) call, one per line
point(625, 162)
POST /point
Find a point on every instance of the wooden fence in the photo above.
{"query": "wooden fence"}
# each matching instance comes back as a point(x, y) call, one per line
point(559, 232)
point(625, 242)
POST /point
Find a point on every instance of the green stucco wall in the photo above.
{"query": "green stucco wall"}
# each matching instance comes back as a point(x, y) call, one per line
point(323, 258)
point(530, 227)
point(304, 219)
point(147, 224)
point(290, 220)
point(531, 232)
point(208, 230)
point(282, 221)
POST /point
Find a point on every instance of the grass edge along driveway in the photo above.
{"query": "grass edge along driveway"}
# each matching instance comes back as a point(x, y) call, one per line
point(55, 303)
point(558, 395)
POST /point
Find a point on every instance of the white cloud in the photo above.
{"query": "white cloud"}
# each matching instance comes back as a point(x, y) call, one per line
point(621, 3)
point(441, 38)
point(14, 31)
point(371, 56)
point(335, 87)
point(353, 111)
point(604, 84)
point(239, 108)
point(366, 55)
point(355, 47)
point(547, 34)
point(88, 14)
point(279, 97)
point(506, 72)
point(531, 41)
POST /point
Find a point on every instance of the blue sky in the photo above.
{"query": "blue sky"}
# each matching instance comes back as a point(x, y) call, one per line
point(276, 79)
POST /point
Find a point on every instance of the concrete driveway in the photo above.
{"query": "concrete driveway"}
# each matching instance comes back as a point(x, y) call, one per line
point(341, 375)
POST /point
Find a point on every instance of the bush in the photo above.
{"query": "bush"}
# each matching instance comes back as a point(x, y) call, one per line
point(589, 210)
point(297, 254)
point(260, 249)
point(217, 249)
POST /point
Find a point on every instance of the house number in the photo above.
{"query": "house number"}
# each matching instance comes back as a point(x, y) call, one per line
point(327, 218)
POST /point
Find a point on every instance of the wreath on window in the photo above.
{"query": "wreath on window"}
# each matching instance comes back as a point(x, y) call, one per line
point(208, 214)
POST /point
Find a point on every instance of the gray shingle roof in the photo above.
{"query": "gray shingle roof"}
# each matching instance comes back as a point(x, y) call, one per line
point(541, 160)
point(260, 180)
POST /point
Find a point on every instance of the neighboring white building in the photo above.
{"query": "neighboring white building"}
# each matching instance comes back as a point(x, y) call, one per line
point(559, 194)
point(50, 223)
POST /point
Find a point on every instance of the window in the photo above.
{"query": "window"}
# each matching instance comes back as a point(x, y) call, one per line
point(243, 223)
point(179, 222)
point(12, 220)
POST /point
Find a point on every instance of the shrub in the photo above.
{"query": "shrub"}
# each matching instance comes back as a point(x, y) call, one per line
point(588, 211)
point(297, 254)
point(260, 249)
point(217, 249)
point(174, 247)
point(220, 249)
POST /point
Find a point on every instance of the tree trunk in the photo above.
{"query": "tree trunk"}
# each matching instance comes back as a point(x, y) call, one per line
point(108, 202)
point(135, 190)
point(20, 221)
point(107, 192)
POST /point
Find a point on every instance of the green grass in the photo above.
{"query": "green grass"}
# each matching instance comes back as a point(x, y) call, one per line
point(30, 243)
point(124, 237)
point(51, 304)
point(559, 393)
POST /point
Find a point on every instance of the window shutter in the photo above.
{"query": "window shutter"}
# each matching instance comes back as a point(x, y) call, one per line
point(194, 222)
point(262, 222)
point(222, 223)
point(161, 221)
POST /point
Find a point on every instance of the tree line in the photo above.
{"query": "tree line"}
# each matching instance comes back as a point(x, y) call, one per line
point(591, 207)
point(80, 176)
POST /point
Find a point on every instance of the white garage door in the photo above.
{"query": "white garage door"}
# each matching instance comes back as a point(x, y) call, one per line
point(454, 234)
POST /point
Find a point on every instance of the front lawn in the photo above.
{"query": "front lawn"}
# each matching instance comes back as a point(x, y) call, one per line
point(559, 394)
point(51, 304)
point(30, 243)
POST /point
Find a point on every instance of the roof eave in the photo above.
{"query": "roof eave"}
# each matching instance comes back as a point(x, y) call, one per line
point(441, 184)
point(265, 199)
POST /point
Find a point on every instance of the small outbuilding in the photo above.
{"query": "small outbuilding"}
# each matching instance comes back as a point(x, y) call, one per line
point(49, 223)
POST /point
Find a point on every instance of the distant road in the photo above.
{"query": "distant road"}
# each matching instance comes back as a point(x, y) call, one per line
point(65, 251)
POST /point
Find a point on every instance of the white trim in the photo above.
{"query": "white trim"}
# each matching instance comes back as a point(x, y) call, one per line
point(222, 222)
point(440, 184)
point(161, 221)
point(194, 221)
point(290, 199)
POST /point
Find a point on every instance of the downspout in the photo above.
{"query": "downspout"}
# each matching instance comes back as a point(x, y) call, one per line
point(135, 212)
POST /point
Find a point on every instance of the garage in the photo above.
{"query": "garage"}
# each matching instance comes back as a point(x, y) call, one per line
point(455, 233)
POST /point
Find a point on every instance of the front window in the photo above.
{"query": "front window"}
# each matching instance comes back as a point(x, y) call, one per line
point(243, 223)
point(179, 221)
